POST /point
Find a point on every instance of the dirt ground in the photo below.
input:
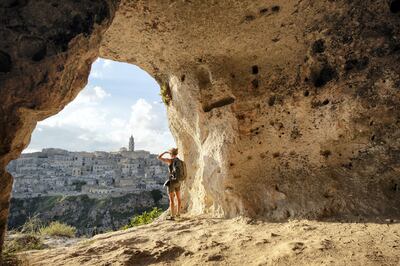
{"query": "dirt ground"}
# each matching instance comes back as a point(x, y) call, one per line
point(239, 241)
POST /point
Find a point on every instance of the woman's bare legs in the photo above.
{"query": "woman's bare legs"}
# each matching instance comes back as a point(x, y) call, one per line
point(171, 203)
point(178, 197)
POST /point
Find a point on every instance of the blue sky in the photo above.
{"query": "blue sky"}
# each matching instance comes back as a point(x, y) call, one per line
point(119, 100)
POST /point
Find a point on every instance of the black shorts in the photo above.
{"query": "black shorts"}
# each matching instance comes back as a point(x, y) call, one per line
point(173, 186)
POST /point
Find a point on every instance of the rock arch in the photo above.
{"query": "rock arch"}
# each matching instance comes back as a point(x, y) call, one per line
point(281, 108)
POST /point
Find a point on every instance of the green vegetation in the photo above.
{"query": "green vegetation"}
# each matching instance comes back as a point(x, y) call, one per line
point(22, 242)
point(144, 218)
point(18, 243)
point(27, 239)
point(165, 92)
point(31, 226)
point(58, 229)
point(30, 237)
point(73, 210)
point(10, 259)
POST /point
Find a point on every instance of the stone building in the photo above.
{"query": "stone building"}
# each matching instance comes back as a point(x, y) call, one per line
point(57, 171)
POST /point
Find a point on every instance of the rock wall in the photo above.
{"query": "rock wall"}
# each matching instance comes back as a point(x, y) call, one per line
point(281, 108)
point(46, 51)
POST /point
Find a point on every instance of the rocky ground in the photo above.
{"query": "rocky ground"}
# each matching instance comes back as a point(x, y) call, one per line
point(239, 241)
point(50, 241)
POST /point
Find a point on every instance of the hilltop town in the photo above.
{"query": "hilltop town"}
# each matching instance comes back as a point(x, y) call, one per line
point(96, 174)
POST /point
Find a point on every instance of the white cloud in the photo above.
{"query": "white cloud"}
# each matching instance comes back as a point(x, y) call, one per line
point(83, 112)
point(97, 74)
point(106, 62)
point(142, 115)
point(29, 150)
point(150, 131)
point(84, 137)
point(93, 121)
point(100, 68)
point(91, 95)
point(97, 128)
point(100, 92)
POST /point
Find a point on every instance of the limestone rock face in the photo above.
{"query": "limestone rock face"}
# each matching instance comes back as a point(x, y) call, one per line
point(46, 51)
point(280, 108)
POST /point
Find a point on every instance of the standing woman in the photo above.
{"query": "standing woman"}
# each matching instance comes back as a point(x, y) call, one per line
point(173, 184)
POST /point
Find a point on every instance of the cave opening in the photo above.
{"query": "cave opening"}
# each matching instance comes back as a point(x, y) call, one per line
point(93, 165)
point(260, 143)
point(395, 6)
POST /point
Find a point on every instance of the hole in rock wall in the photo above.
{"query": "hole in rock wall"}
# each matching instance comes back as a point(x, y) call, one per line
point(323, 76)
point(94, 165)
point(318, 46)
point(219, 103)
point(5, 62)
point(254, 69)
point(276, 8)
point(395, 6)
point(255, 83)
point(263, 11)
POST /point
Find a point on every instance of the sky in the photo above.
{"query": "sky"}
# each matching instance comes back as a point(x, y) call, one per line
point(119, 100)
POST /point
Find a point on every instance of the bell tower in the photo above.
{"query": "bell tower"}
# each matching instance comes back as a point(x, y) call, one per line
point(131, 144)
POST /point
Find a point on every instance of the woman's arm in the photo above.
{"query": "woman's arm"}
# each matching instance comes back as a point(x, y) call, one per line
point(165, 160)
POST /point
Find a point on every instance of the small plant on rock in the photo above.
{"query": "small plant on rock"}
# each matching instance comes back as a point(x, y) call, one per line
point(58, 229)
point(144, 218)
point(19, 242)
point(165, 92)
point(32, 225)
point(23, 242)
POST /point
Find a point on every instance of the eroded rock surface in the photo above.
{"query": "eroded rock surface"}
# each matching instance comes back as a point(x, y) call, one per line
point(281, 108)
point(46, 51)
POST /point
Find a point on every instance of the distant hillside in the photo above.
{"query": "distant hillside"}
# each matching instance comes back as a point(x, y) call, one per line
point(90, 216)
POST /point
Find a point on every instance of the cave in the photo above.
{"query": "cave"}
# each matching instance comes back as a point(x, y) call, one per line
point(235, 140)
point(119, 115)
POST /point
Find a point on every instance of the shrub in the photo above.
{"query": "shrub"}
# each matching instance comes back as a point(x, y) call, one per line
point(144, 218)
point(32, 225)
point(58, 229)
point(17, 243)
point(23, 242)
point(165, 92)
point(10, 259)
